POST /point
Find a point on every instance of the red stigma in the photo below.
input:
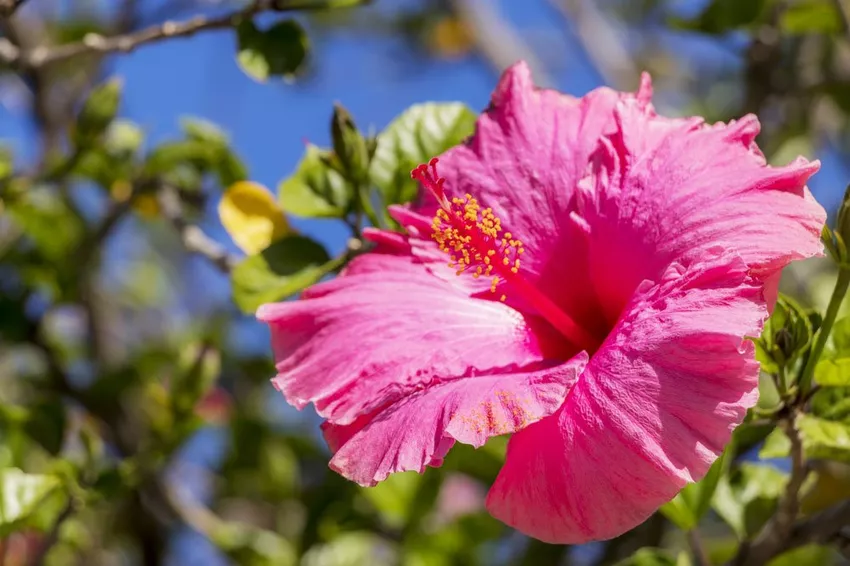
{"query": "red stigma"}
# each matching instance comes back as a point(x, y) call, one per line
point(429, 178)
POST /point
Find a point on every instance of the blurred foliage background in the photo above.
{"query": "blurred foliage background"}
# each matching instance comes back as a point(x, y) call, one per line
point(137, 421)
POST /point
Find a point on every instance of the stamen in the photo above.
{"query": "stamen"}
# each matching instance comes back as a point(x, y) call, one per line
point(474, 240)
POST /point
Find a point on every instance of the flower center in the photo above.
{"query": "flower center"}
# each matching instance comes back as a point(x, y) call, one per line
point(475, 241)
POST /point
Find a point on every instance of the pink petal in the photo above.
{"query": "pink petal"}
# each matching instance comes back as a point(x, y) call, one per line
point(385, 329)
point(651, 412)
point(528, 153)
point(665, 190)
point(418, 430)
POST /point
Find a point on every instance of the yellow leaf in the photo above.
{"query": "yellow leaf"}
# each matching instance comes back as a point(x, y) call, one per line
point(252, 217)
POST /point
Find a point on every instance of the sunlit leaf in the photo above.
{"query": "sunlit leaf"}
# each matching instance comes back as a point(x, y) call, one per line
point(277, 51)
point(97, 112)
point(250, 546)
point(776, 445)
point(833, 373)
point(693, 502)
point(7, 162)
point(225, 162)
point(811, 16)
point(26, 500)
point(840, 337)
point(824, 439)
point(315, 189)
point(250, 214)
point(48, 223)
point(746, 498)
point(394, 496)
point(352, 549)
point(280, 271)
point(423, 131)
point(809, 555)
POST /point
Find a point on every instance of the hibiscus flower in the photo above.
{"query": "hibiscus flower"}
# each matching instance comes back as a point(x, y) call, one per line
point(581, 273)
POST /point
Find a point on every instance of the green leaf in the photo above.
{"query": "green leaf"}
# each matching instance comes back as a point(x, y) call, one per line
point(813, 16)
point(199, 368)
point(809, 555)
point(250, 546)
point(7, 162)
point(97, 112)
point(167, 156)
point(203, 130)
point(46, 424)
point(315, 190)
point(393, 497)
point(786, 336)
point(833, 373)
point(692, 503)
point(650, 557)
point(123, 138)
point(280, 271)
point(26, 500)
point(48, 223)
point(836, 410)
point(225, 162)
point(840, 337)
point(721, 16)
point(423, 131)
point(351, 549)
point(776, 445)
point(277, 51)
point(824, 439)
point(746, 498)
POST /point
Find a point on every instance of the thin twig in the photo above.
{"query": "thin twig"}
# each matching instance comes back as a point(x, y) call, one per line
point(194, 239)
point(53, 536)
point(94, 43)
point(697, 548)
point(820, 528)
point(775, 534)
point(496, 40)
point(603, 43)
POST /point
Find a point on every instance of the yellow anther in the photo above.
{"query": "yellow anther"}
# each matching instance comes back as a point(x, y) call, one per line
point(472, 237)
point(503, 297)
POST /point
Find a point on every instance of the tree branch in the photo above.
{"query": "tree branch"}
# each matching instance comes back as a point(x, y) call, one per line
point(602, 42)
point(53, 535)
point(94, 43)
point(194, 239)
point(8, 7)
point(774, 537)
point(496, 40)
point(698, 548)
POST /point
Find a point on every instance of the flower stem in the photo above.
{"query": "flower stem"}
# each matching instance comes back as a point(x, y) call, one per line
point(835, 301)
